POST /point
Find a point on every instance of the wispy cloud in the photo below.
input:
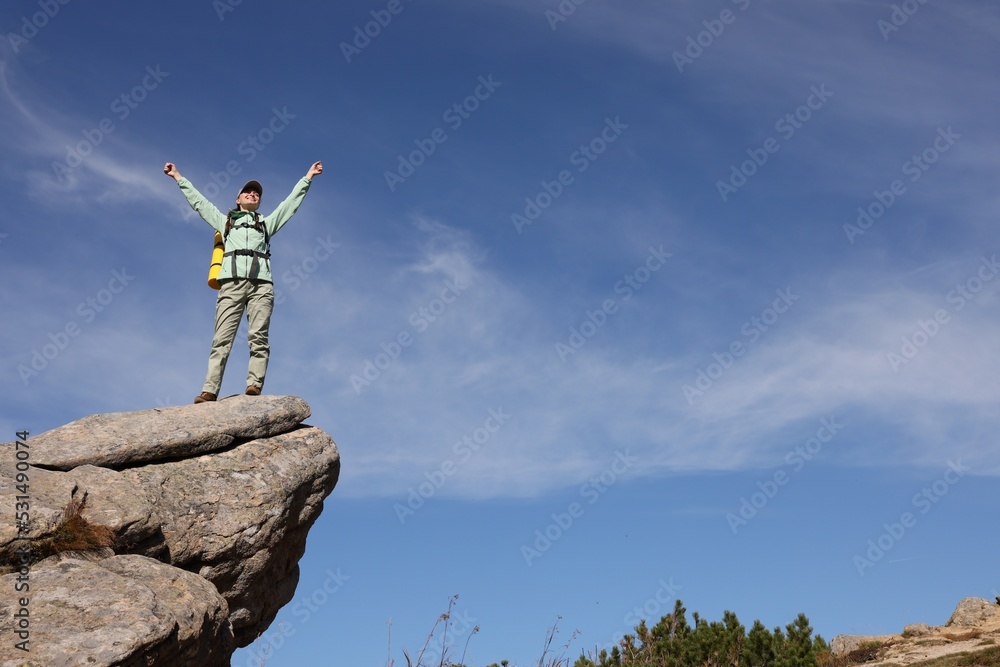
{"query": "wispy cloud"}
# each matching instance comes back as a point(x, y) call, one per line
point(109, 169)
point(495, 347)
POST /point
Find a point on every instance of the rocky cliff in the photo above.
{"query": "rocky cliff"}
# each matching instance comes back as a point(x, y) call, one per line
point(161, 537)
point(973, 626)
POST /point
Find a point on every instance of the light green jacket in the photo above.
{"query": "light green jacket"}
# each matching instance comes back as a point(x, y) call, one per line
point(245, 238)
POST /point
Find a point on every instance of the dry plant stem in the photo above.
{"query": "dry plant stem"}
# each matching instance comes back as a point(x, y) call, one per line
point(446, 650)
point(467, 640)
point(420, 655)
point(388, 648)
point(444, 635)
point(548, 641)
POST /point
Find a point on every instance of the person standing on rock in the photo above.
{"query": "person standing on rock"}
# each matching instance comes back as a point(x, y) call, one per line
point(245, 279)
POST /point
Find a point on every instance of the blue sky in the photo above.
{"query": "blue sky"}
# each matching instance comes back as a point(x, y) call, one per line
point(660, 300)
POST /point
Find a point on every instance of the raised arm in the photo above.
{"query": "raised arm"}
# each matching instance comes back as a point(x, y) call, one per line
point(206, 209)
point(286, 209)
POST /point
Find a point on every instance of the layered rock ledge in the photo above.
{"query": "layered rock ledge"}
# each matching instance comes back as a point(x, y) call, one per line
point(973, 626)
point(209, 506)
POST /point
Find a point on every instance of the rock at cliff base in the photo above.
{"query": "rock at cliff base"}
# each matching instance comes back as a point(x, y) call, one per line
point(125, 610)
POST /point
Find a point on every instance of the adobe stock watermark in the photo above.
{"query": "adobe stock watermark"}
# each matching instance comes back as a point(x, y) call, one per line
point(122, 106)
point(223, 7)
point(454, 116)
point(302, 610)
point(626, 287)
point(751, 330)
point(697, 44)
point(438, 649)
point(914, 168)
point(364, 34)
point(581, 158)
point(591, 491)
point(420, 320)
point(653, 609)
point(786, 126)
point(304, 269)
point(795, 460)
point(30, 25)
point(248, 149)
point(910, 345)
point(923, 501)
point(20, 557)
point(899, 16)
point(463, 449)
point(87, 310)
point(562, 12)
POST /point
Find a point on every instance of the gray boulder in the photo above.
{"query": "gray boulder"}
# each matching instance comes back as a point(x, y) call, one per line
point(123, 610)
point(213, 498)
point(973, 612)
point(118, 439)
point(240, 517)
point(843, 644)
point(917, 630)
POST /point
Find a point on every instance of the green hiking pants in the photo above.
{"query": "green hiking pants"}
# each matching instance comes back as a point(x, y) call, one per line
point(235, 296)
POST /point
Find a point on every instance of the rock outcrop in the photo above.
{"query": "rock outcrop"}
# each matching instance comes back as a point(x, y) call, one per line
point(974, 613)
point(208, 507)
point(973, 626)
point(123, 610)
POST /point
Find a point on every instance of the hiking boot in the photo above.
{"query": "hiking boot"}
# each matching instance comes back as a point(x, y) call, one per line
point(253, 390)
point(204, 397)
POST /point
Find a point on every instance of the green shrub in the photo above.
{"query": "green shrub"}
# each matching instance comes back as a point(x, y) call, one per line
point(673, 642)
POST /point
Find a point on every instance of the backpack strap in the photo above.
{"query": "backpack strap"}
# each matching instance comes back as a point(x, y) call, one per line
point(261, 226)
point(258, 224)
point(254, 265)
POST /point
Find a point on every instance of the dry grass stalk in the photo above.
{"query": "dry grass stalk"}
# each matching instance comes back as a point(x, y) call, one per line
point(73, 533)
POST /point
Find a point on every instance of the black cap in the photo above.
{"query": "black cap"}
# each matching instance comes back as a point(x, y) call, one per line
point(254, 186)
